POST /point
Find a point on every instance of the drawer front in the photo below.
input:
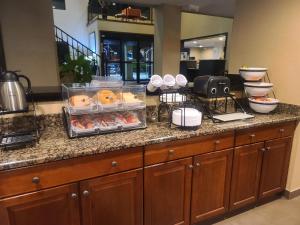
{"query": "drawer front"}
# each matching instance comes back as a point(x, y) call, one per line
point(34, 178)
point(185, 148)
point(253, 135)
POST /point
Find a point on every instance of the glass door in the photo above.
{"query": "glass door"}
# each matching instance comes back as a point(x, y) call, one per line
point(130, 63)
point(128, 56)
point(112, 57)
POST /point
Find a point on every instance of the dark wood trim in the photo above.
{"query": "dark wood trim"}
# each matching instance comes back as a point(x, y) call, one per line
point(206, 37)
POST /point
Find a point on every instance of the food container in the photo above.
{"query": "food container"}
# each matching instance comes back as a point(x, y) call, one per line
point(134, 97)
point(187, 117)
point(263, 105)
point(253, 73)
point(258, 89)
point(79, 98)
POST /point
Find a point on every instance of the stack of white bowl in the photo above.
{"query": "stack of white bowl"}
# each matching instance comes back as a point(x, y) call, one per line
point(257, 90)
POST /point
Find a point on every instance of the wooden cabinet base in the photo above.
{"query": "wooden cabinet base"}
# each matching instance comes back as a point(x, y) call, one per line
point(167, 193)
point(113, 200)
point(211, 185)
point(55, 206)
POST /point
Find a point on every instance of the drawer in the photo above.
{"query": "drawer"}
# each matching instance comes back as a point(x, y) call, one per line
point(253, 135)
point(168, 151)
point(52, 174)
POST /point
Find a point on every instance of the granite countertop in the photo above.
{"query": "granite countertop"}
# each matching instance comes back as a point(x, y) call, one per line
point(55, 145)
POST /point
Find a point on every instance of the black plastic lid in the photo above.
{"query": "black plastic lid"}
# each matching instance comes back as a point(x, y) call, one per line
point(8, 76)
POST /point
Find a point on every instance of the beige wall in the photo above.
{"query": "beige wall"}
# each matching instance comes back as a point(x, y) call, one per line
point(167, 39)
point(265, 33)
point(28, 37)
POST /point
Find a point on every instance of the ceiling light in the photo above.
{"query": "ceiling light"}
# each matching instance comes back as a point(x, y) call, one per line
point(195, 42)
point(221, 38)
point(200, 46)
point(113, 3)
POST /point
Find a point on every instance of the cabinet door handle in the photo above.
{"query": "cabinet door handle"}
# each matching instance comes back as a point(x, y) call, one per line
point(86, 193)
point(36, 180)
point(263, 149)
point(198, 164)
point(281, 130)
point(217, 142)
point(171, 152)
point(114, 163)
point(191, 166)
point(252, 136)
point(74, 195)
point(268, 148)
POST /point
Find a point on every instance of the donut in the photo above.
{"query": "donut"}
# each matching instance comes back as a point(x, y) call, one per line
point(80, 100)
point(106, 97)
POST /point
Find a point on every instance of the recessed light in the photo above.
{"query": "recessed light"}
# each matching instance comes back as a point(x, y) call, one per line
point(200, 46)
point(113, 3)
point(194, 42)
point(221, 38)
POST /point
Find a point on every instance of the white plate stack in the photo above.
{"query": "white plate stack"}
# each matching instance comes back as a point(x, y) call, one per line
point(257, 90)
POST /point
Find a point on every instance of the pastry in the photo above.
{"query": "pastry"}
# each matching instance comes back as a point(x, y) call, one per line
point(82, 122)
point(106, 97)
point(128, 97)
point(80, 100)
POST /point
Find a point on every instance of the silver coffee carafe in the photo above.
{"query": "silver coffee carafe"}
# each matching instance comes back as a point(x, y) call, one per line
point(12, 92)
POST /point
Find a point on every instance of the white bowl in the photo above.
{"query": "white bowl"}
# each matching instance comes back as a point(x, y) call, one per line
point(258, 89)
point(253, 73)
point(187, 117)
point(263, 106)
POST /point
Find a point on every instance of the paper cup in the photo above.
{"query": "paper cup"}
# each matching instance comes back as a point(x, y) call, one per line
point(181, 80)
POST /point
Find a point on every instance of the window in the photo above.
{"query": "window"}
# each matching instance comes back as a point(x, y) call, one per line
point(59, 4)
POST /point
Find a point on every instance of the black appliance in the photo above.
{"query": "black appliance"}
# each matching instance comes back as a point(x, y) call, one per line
point(212, 86)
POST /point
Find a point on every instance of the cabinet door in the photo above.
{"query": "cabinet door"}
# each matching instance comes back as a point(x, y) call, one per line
point(245, 175)
point(113, 200)
point(55, 206)
point(275, 167)
point(167, 193)
point(211, 184)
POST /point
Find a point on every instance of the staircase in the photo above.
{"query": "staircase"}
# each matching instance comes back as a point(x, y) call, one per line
point(67, 46)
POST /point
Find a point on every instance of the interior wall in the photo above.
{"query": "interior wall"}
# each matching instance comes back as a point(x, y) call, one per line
point(265, 33)
point(73, 20)
point(28, 39)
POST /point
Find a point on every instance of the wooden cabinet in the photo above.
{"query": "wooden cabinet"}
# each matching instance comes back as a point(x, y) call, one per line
point(275, 166)
point(55, 206)
point(246, 175)
point(167, 193)
point(211, 185)
point(113, 200)
point(259, 171)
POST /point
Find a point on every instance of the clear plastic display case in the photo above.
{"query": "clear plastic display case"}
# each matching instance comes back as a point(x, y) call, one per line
point(102, 107)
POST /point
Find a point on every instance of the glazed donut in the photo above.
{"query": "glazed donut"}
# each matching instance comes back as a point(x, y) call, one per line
point(80, 100)
point(106, 97)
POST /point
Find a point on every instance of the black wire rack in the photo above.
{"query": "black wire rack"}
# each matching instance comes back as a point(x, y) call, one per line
point(22, 130)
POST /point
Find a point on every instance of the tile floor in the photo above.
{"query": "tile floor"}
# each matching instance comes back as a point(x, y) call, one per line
point(279, 212)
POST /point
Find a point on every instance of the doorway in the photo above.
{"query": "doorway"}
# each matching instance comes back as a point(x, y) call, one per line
point(127, 55)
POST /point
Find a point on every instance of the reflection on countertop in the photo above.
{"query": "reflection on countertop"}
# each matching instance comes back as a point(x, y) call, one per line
point(55, 145)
